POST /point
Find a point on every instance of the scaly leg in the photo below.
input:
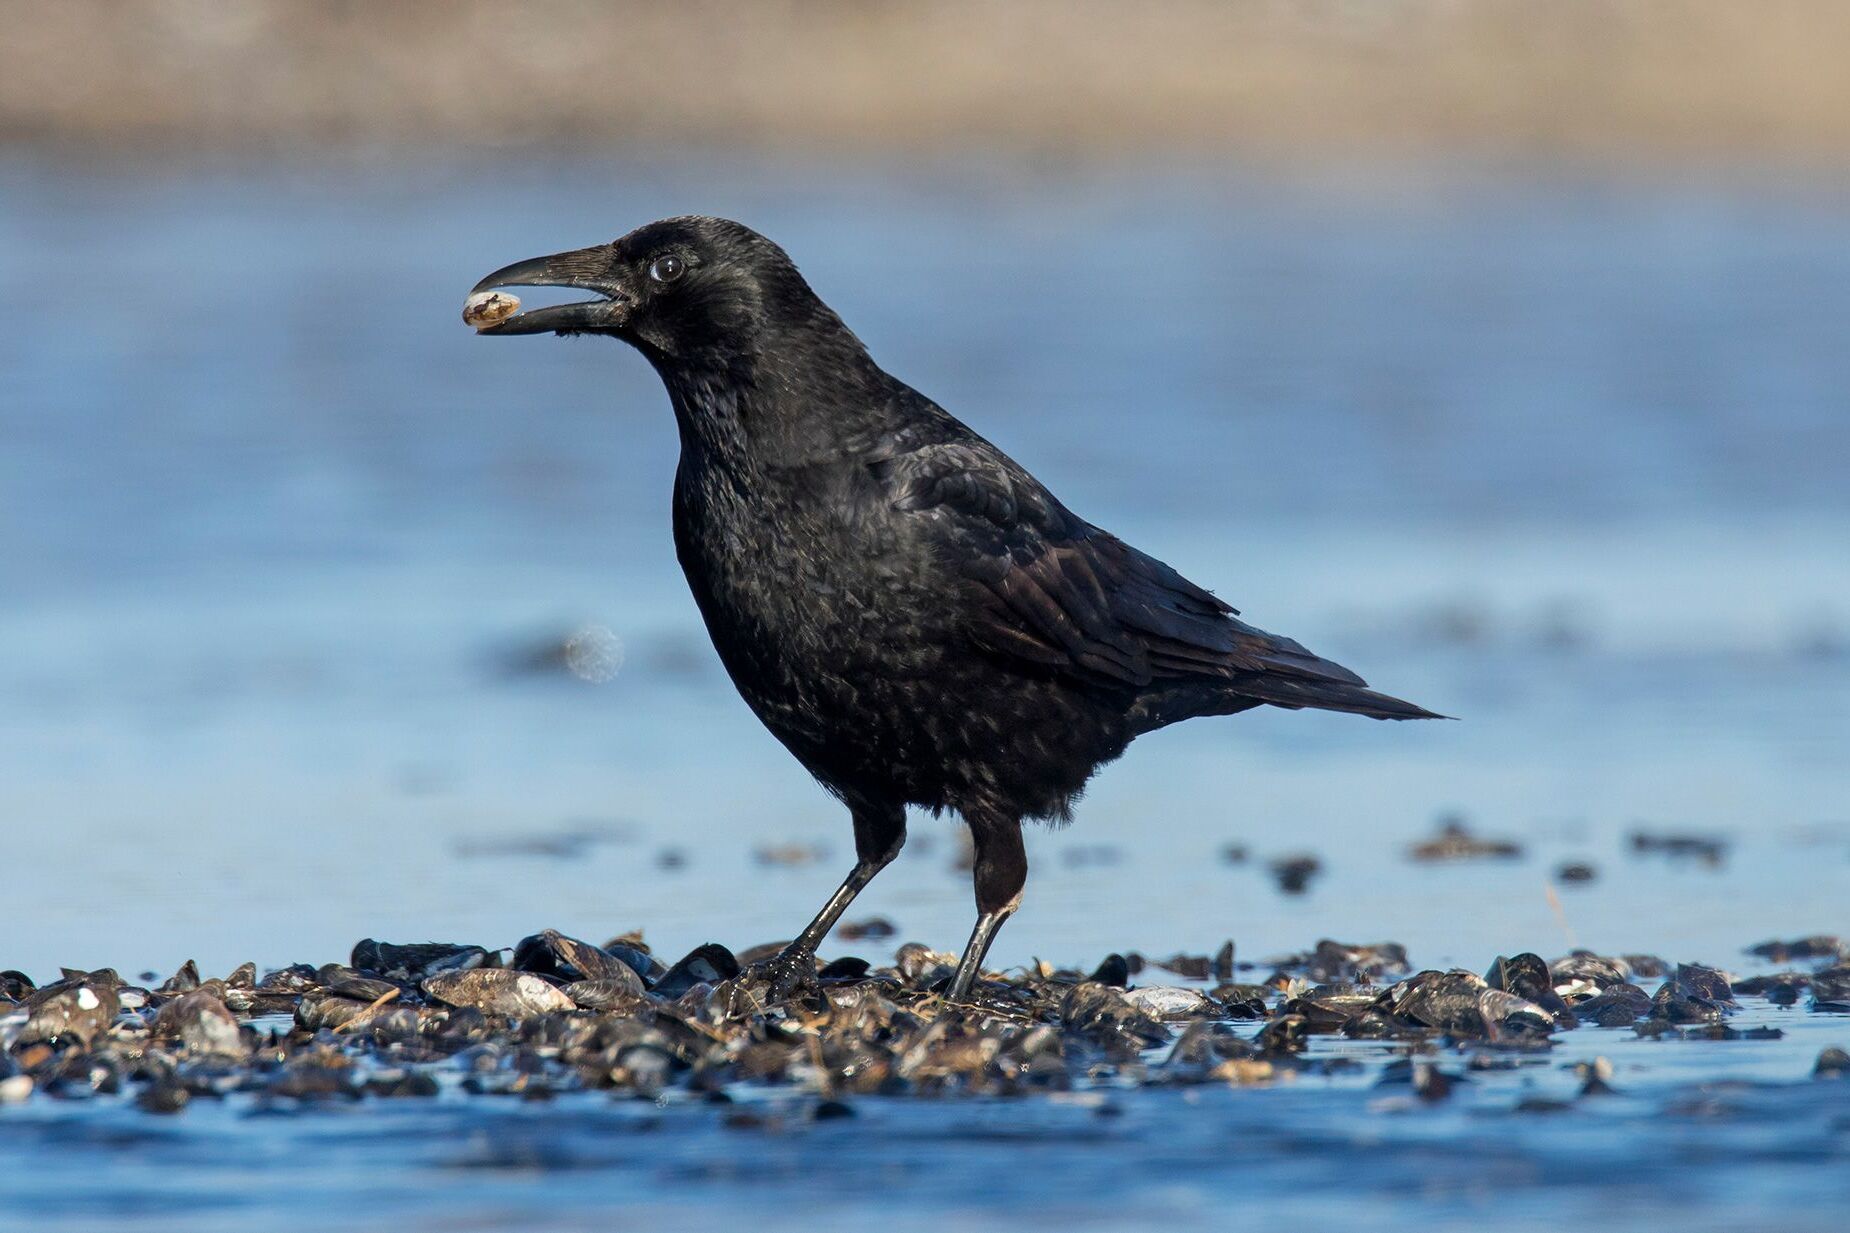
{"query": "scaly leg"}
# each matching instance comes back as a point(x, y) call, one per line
point(1000, 872)
point(879, 834)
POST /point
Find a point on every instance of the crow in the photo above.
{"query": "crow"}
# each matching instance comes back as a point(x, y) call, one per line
point(915, 616)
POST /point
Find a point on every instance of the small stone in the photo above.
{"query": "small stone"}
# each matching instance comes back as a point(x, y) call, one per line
point(1456, 842)
point(1709, 850)
point(1595, 1077)
point(1113, 970)
point(1294, 873)
point(1818, 946)
point(873, 929)
point(165, 1096)
point(1243, 1072)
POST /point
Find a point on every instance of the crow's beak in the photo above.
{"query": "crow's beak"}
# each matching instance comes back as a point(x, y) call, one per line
point(587, 268)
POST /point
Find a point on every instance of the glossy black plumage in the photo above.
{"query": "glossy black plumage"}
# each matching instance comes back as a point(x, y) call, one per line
point(906, 608)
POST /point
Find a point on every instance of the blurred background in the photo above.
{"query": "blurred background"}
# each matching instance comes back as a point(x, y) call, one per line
point(1494, 349)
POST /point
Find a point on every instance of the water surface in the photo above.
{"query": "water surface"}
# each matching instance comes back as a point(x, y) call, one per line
point(284, 547)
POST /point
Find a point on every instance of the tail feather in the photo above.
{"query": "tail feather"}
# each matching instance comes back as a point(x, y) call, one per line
point(1297, 693)
point(1192, 700)
point(1283, 672)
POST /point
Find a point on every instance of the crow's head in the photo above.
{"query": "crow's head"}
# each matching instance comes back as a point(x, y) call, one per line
point(676, 289)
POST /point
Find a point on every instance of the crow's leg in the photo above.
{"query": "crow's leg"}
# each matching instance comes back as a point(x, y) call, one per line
point(879, 834)
point(1000, 872)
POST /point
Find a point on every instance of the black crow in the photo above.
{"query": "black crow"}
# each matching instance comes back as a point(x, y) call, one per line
point(908, 610)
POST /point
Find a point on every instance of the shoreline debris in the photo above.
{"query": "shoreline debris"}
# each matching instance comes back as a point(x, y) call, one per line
point(555, 1014)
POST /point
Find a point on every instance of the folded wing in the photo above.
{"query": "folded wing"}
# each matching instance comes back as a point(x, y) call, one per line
point(1052, 591)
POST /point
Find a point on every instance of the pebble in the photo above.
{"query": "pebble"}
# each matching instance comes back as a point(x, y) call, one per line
point(874, 928)
point(1294, 873)
point(1456, 842)
point(1706, 849)
point(1822, 946)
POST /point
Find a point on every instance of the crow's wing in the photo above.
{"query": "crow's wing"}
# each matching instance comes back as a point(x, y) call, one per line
point(1050, 589)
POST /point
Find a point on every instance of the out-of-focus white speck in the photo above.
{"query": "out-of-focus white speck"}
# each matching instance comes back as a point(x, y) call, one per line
point(593, 653)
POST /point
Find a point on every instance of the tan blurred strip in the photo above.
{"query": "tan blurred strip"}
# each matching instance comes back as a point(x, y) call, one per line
point(1701, 79)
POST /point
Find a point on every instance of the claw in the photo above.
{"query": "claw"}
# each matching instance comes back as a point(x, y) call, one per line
point(786, 974)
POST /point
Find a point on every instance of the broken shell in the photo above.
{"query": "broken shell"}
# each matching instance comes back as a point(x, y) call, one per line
point(608, 994)
point(871, 929)
point(201, 1023)
point(486, 308)
point(917, 962)
point(1330, 1006)
point(1294, 873)
point(79, 1008)
point(1343, 962)
point(551, 953)
point(1830, 989)
point(707, 964)
point(497, 991)
point(1455, 842)
point(1171, 1002)
point(415, 961)
point(1819, 946)
point(1618, 1006)
point(1583, 965)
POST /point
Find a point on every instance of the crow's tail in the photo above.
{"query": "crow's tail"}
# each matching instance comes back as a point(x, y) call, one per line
point(1278, 689)
point(1264, 669)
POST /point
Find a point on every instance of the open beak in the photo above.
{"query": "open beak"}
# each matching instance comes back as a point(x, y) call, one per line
point(586, 268)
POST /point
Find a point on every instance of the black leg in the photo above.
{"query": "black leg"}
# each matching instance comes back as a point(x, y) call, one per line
point(1000, 872)
point(879, 834)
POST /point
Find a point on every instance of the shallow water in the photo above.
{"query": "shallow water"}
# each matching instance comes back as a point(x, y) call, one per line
point(1702, 1135)
point(281, 541)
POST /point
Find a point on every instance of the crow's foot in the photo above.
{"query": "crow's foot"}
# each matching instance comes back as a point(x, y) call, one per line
point(786, 975)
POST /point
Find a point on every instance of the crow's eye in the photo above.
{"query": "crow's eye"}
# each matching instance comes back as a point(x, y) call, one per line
point(667, 268)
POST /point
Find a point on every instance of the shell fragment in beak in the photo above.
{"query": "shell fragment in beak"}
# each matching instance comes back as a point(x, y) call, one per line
point(486, 308)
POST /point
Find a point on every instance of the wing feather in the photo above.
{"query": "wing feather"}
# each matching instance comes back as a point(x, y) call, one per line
point(1053, 591)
